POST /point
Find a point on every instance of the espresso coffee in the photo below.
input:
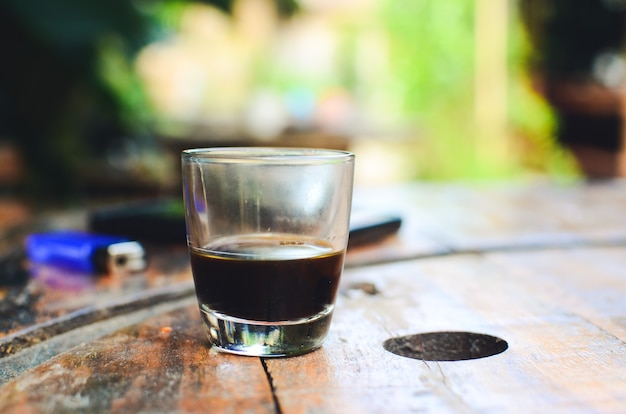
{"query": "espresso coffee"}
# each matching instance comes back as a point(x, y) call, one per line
point(267, 278)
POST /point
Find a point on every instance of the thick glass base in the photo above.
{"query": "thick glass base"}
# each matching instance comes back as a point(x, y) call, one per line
point(266, 339)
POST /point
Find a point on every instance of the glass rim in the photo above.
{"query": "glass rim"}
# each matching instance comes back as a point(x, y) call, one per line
point(265, 155)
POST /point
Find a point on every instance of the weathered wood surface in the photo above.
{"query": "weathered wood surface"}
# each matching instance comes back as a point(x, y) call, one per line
point(561, 311)
point(543, 268)
point(437, 220)
point(54, 301)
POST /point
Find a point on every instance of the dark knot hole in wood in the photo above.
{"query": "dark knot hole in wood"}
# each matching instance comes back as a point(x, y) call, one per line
point(446, 346)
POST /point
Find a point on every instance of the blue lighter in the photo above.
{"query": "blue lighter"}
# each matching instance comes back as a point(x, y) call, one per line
point(85, 252)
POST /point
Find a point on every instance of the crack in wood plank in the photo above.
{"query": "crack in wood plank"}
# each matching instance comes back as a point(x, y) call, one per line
point(270, 381)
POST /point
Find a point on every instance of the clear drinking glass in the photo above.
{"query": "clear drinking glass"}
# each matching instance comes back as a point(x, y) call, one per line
point(267, 230)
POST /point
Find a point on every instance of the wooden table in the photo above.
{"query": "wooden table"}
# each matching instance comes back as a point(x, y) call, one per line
point(539, 268)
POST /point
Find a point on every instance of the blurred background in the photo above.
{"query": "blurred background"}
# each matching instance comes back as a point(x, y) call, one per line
point(98, 98)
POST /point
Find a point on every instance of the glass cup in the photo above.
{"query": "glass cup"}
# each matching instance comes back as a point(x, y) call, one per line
point(267, 230)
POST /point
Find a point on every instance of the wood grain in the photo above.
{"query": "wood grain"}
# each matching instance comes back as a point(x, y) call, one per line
point(542, 267)
point(565, 333)
point(162, 365)
point(562, 356)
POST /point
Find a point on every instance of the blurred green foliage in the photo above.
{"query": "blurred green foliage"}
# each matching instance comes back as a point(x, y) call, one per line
point(67, 88)
point(54, 102)
point(432, 46)
point(431, 78)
